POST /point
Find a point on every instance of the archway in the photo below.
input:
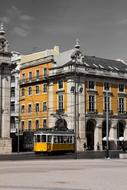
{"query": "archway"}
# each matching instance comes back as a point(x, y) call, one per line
point(120, 133)
point(90, 127)
point(104, 133)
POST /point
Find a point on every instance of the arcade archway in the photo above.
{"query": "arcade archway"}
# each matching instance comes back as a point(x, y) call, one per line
point(90, 128)
point(104, 133)
point(120, 133)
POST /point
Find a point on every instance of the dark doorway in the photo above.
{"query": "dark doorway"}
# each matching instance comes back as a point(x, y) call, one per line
point(104, 134)
point(120, 133)
point(90, 134)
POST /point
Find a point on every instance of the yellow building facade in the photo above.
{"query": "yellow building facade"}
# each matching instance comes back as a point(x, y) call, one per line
point(75, 91)
point(34, 73)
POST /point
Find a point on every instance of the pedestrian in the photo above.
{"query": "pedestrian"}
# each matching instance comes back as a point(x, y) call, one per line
point(84, 145)
point(98, 146)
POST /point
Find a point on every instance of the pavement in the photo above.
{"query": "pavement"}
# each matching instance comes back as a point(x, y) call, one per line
point(83, 174)
point(78, 155)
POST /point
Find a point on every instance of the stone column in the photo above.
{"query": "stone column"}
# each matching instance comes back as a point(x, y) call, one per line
point(51, 118)
point(6, 104)
point(98, 135)
point(81, 118)
point(113, 135)
point(70, 105)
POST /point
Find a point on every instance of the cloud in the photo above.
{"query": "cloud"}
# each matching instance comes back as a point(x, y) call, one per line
point(5, 20)
point(20, 31)
point(26, 18)
point(122, 21)
point(13, 11)
point(18, 21)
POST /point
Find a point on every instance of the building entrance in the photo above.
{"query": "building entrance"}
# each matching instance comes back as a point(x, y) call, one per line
point(120, 134)
point(90, 134)
point(104, 135)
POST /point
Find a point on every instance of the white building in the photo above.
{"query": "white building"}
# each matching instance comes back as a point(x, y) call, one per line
point(5, 77)
point(16, 59)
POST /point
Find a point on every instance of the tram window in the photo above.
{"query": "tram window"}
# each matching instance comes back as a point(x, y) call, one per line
point(38, 138)
point(43, 138)
point(70, 139)
point(49, 138)
point(61, 139)
point(65, 139)
point(55, 139)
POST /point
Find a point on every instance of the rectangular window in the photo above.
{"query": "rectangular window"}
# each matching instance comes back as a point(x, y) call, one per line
point(23, 91)
point(29, 108)
point(37, 124)
point(60, 102)
point(12, 91)
point(22, 108)
point(91, 103)
point(37, 89)
point(121, 87)
point(29, 125)
point(37, 107)
point(91, 85)
point(30, 76)
point(106, 86)
point(60, 85)
point(44, 106)
point(44, 87)
point(12, 106)
point(37, 74)
point(44, 123)
point(121, 105)
point(30, 90)
point(23, 77)
point(45, 72)
point(106, 104)
point(12, 78)
point(22, 125)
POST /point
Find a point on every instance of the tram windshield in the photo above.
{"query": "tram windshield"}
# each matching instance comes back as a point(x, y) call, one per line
point(40, 138)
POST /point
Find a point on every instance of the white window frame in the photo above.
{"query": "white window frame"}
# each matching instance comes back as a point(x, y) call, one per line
point(36, 123)
point(58, 85)
point(29, 91)
point(43, 106)
point(59, 94)
point(36, 75)
point(94, 85)
point(110, 102)
point(24, 91)
point(29, 129)
point(43, 123)
point(44, 84)
point(45, 69)
point(31, 107)
point(123, 89)
point(30, 78)
point(22, 128)
point(36, 89)
point(24, 108)
point(94, 102)
point(123, 103)
point(109, 90)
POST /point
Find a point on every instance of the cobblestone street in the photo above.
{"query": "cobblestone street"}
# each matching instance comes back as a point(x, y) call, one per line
point(64, 175)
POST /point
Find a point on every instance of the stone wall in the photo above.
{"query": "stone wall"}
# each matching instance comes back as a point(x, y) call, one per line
point(5, 146)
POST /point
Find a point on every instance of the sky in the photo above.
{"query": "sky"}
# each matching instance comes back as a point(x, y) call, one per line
point(36, 25)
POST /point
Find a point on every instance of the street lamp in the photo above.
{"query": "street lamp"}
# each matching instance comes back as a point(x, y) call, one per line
point(107, 127)
point(74, 58)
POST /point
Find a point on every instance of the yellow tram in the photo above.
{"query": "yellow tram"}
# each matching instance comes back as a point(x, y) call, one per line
point(49, 141)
